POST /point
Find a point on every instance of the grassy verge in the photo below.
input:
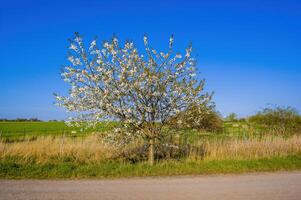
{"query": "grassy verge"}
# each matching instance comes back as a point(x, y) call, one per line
point(13, 168)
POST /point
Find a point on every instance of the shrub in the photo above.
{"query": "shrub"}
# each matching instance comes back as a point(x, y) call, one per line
point(200, 117)
point(232, 117)
point(167, 150)
point(279, 120)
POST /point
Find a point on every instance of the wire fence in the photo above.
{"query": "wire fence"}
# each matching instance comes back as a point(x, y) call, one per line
point(185, 135)
point(10, 136)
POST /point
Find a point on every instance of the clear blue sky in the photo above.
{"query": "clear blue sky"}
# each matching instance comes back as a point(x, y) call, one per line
point(248, 51)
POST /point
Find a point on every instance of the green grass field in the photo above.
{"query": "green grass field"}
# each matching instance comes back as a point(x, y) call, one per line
point(15, 130)
point(21, 129)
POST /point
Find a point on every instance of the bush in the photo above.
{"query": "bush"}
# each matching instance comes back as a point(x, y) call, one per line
point(232, 117)
point(200, 117)
point(279, 120)
point(166, 150)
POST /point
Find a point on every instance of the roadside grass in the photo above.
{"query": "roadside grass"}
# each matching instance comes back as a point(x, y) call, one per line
point(13, 168)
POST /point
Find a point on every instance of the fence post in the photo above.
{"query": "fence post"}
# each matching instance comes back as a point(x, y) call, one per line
point(62, 143)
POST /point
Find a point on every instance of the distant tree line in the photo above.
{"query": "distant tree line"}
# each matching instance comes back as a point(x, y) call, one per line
point(21, 120)
point(28, 120)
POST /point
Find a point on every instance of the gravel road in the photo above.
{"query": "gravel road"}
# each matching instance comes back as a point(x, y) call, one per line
point(280, 185)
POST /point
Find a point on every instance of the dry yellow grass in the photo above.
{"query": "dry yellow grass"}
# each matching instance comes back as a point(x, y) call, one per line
point(91, 149)
point(251, 148)
point(80, 149)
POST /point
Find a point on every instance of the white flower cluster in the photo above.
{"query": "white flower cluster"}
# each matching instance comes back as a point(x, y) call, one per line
point(115, 81)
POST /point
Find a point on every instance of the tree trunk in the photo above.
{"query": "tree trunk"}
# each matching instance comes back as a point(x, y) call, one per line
point(151, 153)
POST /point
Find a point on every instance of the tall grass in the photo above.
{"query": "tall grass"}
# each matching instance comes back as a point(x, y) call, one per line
point(252, 148)
point(43, 149)
point(90, 149)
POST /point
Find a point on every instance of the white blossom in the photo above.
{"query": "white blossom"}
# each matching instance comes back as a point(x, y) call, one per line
point(145, 40)
point(141, 90)
point(92, 45)
point(73, 47)
point(171, 41)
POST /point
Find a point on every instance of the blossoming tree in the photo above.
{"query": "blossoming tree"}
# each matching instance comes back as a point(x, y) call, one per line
point(142, 91)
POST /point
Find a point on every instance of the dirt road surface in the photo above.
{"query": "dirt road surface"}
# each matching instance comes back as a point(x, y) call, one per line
point(267, 186)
